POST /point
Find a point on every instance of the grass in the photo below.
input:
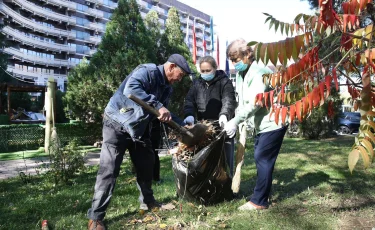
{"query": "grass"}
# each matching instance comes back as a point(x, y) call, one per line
point(312, 189)
point(39, 153)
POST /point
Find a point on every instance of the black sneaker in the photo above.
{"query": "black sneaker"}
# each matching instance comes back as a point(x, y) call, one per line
point(154, 206)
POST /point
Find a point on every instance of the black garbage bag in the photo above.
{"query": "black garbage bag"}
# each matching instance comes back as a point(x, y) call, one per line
point(205, 178)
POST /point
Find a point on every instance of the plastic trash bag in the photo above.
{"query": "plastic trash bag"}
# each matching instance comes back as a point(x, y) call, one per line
point(204, 178)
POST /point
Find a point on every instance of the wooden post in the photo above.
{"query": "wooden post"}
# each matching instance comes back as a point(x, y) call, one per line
point(9, 111)
point(49, 113)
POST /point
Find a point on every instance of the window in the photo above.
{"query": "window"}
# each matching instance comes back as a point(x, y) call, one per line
point(81, 7)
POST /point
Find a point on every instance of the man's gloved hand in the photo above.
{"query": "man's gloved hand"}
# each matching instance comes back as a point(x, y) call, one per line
point(223, 120)
point(231, 128)
point(189, 120)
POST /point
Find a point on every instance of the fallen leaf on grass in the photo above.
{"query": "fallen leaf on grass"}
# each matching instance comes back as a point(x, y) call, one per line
point(168, 206)
point(148, 219)
point(191, 205)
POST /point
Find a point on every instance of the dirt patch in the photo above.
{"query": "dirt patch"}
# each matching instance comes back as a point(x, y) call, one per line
point(358, 223)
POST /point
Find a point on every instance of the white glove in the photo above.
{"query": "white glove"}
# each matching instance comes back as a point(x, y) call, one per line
point(189, 120)
point(223, 120)
point(231, 128)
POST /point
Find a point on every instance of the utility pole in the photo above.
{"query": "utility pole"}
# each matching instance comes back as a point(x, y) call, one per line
point(49, 99)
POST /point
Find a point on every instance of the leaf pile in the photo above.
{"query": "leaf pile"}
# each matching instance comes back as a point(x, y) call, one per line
point(185, 153)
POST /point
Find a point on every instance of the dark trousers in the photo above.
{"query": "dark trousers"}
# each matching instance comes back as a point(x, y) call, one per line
point(115, 142)
point(266, 149)
point(156, 137)
point(229, 154)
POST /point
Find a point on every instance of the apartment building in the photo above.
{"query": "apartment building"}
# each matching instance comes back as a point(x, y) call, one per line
point(50, 37)
point(189, 17)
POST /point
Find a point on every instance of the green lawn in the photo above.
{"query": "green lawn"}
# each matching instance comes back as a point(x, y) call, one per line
point(312, 189)
point(38, 153)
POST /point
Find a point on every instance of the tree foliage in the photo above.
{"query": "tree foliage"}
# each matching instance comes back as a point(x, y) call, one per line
point(305, 85)
point(173, 42)
point(125, 45)
point(153, 27)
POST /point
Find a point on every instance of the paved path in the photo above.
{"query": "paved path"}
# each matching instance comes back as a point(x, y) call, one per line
point(32, 166)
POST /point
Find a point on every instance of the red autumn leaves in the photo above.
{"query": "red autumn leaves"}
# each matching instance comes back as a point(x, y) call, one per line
point(301, 71)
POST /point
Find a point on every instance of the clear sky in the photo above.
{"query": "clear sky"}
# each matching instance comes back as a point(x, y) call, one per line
point(245, 18)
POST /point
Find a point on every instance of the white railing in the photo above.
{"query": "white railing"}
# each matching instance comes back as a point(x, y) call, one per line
point(94, 26)
point(95, 39)
point(95, 12)
point(90, 52)
point(208, 47)
point(33, 25)
point(200, 26)
point(43, 12)
point(199, 43)
point(37, 60)
point(26, 74)
point(159, 10)
point(142, 4)
point(68, 4)
point(37, 43)
point(199, 35)
point(207, 38)
point(200, 53)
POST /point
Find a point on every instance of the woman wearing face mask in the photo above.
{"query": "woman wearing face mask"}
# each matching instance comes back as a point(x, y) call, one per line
point(212, 97)
point(268, 135)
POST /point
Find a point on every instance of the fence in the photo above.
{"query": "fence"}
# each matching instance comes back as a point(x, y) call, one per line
point(26, 137)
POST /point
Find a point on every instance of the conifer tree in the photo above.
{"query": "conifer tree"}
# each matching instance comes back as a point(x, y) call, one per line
point(125, 45)
point(173, 42)
point(153, 27)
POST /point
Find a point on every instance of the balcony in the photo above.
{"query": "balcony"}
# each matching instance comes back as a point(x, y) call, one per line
point(43, 12)
point(90, 52)
point(37, 43)
point(200, 44)
point(200, 53)
point(17, 54)
point(95, 13)
point(67, 4)
point(159, 10)
point(95, 39)
point(142, 4)
point(199, 26)
point(199, 35)
point(25, 22)
point(95, 26)
point(34, 75)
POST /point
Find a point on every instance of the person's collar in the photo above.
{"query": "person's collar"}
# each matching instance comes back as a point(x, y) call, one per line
point(164, 76)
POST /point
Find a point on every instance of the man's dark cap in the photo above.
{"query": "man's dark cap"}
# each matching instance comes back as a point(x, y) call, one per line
point(180, 61)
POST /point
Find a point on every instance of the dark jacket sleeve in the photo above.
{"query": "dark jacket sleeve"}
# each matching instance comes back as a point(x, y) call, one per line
point(190, 104)
point(228, 100)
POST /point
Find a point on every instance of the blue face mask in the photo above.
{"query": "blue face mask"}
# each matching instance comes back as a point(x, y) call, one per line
point(240, 66)
point(207, 76)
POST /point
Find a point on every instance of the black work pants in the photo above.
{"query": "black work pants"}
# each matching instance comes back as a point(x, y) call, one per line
point(156, 144)
point(115, 143)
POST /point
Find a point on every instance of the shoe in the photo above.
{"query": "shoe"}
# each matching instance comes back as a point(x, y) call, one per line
point(154, 206)
point(96, 225)
point(251, 206)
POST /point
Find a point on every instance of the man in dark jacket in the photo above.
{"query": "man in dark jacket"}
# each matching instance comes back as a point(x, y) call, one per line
point(212, 97)
point(126, 125)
